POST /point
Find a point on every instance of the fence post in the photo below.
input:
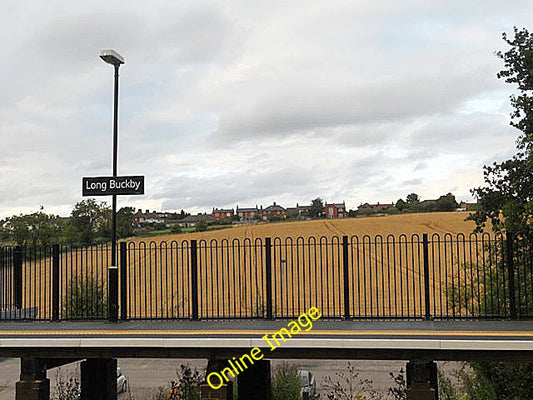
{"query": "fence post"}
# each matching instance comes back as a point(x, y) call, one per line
point(268, 277)
point(425, 248)
point(55, 282)
point(17, 276)
point(346, 277)
point(194, 278)
point(123, 306)
point(510, 273)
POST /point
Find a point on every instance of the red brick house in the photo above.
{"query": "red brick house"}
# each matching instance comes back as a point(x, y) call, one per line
point(222, 213)
point(247, 214)
point(335, 210)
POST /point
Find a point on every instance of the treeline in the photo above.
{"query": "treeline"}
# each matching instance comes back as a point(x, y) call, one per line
point(413, 204)
point(89, 223)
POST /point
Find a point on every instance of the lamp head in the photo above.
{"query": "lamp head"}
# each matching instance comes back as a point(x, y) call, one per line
point(110, 56)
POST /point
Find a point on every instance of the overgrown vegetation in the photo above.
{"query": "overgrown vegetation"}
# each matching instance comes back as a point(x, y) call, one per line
point(36, 229)
point(285, 382)
point(85, 298)
point(89, 223)
point(349, 386)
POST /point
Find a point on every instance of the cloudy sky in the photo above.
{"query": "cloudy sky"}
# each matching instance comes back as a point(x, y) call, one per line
point(250, 102)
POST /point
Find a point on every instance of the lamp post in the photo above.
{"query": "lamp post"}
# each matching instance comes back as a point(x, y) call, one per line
point(112, 57)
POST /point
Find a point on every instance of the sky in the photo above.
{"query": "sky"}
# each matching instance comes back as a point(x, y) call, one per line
point(226, 103)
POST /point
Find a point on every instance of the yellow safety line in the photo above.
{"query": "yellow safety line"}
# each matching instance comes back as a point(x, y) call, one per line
point(261, 333)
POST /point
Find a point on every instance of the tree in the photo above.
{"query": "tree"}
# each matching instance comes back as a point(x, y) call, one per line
point(317, 208)
point(401, 205)
point(446, 203)
point(125, 222)
point(412, 199)
point(36, 229)
point(506, 200)
point(88, 220)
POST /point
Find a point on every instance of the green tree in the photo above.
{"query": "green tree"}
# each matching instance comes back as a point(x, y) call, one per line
point(446, 203)
point(412, 198)
point(36, 229)
point(88, 220)
point(413, 202)
point(401, 205)
point(506, 201)
point(125, 222)
point(317, 208)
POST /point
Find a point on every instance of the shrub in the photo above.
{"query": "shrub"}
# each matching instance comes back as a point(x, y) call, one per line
point(286, 382)
point(175, 229)
point(187, 386)
point(201, 226)
point(85, 298)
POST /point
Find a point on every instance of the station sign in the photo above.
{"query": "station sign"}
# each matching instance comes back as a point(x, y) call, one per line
point(109, 185)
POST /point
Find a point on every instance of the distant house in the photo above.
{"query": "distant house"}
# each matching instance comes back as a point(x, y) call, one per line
point(298, 210)
point(374, 207)
point(149, 217)
point(335, 210)
point(247, 214)
point(273, 210)
point(464, 206)
point(222, 213)
point(192, 220)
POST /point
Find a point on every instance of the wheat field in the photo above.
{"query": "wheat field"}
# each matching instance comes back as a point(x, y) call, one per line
point(440, 223)
point(306, 268)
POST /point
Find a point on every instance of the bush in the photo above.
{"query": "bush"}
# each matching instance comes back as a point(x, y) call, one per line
point(201, 226)
point(85, 298)
point(175, 229)
point(286, 382)
point(187, 386)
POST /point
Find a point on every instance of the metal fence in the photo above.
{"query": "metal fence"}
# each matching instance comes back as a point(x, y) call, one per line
point(348, 277)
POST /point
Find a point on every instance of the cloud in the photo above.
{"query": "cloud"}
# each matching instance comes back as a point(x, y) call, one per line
point(228, 102)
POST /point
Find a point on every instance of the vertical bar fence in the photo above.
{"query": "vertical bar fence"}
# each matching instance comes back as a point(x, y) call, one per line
point(350, 277)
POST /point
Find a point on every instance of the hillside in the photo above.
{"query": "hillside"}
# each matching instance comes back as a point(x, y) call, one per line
point(449, 222)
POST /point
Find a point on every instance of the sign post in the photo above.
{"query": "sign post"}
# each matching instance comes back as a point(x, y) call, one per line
point(113, 186)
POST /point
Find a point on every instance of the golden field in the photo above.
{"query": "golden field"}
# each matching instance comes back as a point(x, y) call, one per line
point(384, 279)
point(441, 223)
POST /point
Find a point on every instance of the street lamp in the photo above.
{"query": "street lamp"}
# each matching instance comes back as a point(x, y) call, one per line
point(112, 57)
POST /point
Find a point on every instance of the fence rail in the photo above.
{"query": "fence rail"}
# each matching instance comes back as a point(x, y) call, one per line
point(349, 277)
